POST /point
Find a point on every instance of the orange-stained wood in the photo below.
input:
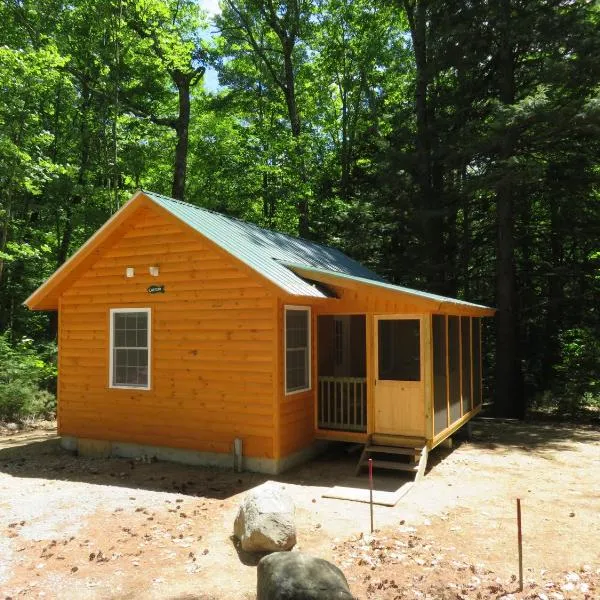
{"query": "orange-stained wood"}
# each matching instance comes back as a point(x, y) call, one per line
point(350, 292)
point(214, 344)
point(297, 410)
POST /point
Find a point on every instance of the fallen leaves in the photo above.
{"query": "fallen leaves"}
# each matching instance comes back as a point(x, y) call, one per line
point(404, 565)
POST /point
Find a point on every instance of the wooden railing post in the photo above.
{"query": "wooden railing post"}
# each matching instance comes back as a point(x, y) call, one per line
point(349, 398)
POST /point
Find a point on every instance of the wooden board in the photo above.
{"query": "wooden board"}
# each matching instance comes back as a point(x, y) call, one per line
point(357, 494)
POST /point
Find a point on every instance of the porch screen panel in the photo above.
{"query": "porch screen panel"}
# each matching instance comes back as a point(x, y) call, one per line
point(358, 338)
point(325, 345)
point(399, 349)
point(454, 367)
point(465, 334)
point(440, 405)
point(476, 362)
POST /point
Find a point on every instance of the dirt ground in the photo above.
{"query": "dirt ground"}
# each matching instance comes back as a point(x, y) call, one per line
point(114, 528)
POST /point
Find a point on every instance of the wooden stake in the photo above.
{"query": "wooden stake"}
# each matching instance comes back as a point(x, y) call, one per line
point(520, 541)
point(371, 490)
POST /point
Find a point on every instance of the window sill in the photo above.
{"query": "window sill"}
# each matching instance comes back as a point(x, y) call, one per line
point(129, 387)
point(291, 393)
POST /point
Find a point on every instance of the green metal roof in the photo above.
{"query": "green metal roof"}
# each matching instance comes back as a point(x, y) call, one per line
point(276, 256)
point(263, 250)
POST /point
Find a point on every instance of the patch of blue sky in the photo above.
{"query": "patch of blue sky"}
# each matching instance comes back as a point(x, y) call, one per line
point(211, 77)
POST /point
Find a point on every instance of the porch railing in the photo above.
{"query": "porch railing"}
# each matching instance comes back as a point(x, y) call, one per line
point(343, 403)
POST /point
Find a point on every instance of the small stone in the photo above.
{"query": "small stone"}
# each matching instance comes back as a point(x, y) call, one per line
point(265, 520)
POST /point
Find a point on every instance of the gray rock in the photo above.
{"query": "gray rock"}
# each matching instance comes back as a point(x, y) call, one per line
point(265, 520)
point(12, 427)
point(296, 576)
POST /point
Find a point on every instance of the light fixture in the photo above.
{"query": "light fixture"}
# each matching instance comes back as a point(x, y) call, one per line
point(153, 271)
point(129, 272)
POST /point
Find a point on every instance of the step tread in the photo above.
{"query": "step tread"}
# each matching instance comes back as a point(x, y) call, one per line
point(385, 464)
point(393, 450)
point(397, 440)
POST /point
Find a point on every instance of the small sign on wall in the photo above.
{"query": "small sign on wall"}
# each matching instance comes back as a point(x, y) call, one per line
point(156, 289)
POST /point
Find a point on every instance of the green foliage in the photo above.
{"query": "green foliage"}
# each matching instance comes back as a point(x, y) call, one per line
point(23, 373)
point(578, 370)
point(318, 116)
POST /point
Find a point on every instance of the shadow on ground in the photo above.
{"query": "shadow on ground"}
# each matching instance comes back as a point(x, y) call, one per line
point(532, 436)
point(44, 458)
point(37, 455)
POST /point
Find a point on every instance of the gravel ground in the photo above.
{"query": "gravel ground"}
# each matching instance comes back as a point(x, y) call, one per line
point(114, 528)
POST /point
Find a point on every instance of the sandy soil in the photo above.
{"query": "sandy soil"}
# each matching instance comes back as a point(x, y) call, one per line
point(113, 528)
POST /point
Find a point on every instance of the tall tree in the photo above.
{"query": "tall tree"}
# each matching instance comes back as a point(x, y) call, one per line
point(271, 32)
point(172, 31)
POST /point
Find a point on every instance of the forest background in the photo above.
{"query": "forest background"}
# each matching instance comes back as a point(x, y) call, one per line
point(451, 146)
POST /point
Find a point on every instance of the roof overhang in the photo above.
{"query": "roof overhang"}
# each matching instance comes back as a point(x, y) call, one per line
point(433, 302)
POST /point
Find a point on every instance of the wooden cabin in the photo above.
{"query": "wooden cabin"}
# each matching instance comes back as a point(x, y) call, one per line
point(190, 336)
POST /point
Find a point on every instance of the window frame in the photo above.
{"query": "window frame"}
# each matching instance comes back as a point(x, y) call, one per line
point(111, 349)
point(307, 310)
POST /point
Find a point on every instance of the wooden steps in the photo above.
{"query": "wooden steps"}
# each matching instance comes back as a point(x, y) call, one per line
point(393, 450)
point(391, 455)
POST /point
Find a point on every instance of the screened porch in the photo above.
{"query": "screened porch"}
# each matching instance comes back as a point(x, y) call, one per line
point(342, 382)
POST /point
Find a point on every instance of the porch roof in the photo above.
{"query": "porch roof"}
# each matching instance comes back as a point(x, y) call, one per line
point(438, 303)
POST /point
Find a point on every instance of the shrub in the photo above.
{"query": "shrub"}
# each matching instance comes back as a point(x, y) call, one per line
point(24, 373)
point(578, 370)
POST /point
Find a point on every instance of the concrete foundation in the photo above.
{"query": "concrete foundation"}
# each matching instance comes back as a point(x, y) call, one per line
point(103, 449)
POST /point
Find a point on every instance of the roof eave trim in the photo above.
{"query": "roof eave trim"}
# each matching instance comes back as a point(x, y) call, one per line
point(447, 302)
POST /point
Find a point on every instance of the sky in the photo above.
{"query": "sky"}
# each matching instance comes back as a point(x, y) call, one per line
point(211, 81)
point(211, 6)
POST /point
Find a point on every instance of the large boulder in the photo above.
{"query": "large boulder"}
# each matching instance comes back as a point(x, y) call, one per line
point(265, 520)
point(296, 576)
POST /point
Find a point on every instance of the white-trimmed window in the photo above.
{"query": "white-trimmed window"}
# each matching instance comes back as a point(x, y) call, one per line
point(297, 349)
point(130, 348)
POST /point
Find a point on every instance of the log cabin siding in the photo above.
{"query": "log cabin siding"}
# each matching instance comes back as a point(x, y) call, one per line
point(296, 410)
point(213, 346)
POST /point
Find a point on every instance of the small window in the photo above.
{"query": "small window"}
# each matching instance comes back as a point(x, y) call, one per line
point(130, 348)
point(297, 349)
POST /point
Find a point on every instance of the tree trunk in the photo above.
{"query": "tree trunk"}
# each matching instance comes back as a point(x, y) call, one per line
point(295, 126)
point(509, 378)
point(429, 177)
point(182, 81)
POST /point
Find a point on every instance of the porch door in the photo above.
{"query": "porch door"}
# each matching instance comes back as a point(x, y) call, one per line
point(399, 389)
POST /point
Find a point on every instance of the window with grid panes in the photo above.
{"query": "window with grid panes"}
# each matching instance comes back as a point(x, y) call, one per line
point(130, 348)
point(297, 349)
